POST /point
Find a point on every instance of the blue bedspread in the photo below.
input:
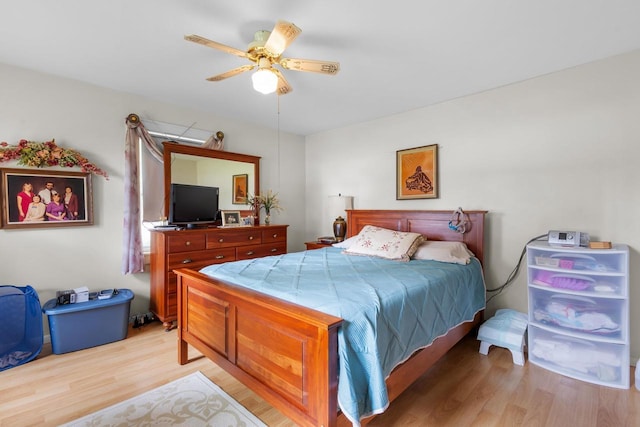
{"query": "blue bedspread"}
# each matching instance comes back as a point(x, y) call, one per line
point(390, 308)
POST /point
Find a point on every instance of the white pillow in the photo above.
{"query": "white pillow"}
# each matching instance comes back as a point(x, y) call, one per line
point(453, 252)
point(383, 243)
point(347, 243)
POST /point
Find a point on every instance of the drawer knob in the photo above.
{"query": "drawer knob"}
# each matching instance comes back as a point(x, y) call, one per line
point(274, 250)
point(250, 253)
point(250, 237)
point(220, 240)
point(219, 256)
point(187, 261)
point(275, 235)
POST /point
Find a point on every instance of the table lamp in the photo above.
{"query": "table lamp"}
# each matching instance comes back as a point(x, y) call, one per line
point(338, 205)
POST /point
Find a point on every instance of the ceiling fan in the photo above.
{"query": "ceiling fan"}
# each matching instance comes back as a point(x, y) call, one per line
point(266, 51)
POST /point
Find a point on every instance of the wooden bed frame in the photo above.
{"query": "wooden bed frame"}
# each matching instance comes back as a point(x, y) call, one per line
point(288, 354)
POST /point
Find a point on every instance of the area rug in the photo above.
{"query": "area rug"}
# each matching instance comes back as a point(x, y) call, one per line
point(189, 401)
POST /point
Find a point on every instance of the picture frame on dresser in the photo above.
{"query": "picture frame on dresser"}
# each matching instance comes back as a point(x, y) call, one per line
point(231, 218)
point(77, 209)
point(417, 173)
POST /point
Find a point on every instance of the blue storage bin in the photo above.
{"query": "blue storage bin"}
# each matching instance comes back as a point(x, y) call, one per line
point(88, 324)
point(20, 326)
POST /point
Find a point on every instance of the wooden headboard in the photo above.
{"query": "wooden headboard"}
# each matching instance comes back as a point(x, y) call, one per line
point(434, 225)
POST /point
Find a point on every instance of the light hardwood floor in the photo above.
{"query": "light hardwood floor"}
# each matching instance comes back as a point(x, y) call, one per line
point(463, 389)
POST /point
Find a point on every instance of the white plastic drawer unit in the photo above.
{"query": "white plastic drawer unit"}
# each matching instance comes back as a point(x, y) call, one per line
point(579, 304)
point(599, 363)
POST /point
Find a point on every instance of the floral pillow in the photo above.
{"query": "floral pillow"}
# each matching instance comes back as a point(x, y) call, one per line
point(384, 243)
point(453, 252)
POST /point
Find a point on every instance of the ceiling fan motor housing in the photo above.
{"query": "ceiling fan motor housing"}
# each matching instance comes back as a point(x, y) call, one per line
point(259, 39)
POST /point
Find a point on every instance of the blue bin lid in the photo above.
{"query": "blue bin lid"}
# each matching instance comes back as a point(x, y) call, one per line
point(51, 307)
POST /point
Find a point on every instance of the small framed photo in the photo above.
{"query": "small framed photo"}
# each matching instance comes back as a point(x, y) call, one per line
point(240, 188)
point(417, 173)
point(35, 198)
point(231, 218)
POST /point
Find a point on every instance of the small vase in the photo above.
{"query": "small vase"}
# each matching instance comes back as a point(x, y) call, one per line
point(267, 219)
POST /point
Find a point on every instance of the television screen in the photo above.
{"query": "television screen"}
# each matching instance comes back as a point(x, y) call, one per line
point(193, 204)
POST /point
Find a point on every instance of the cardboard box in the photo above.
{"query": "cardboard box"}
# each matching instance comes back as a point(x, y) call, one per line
point(73, 296)
point(82, 294)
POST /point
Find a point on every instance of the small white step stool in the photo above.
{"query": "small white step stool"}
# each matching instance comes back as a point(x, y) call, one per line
point(505, 329)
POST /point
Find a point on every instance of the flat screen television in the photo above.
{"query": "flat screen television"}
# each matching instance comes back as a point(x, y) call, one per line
point(193, 205)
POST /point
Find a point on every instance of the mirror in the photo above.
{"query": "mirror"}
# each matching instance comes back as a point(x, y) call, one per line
point(187, 164)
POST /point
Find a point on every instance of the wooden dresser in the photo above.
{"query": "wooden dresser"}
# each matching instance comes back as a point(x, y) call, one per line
point(171, 249)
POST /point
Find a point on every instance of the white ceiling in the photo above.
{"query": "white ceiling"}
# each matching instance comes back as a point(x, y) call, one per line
point(394, 56)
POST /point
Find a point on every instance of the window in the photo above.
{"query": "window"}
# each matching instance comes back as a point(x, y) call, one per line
point(151, 193)
point(151, 171)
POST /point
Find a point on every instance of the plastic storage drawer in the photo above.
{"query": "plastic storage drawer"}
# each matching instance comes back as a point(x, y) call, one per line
point(599, 363)
point(88, 324)
point(585, 317)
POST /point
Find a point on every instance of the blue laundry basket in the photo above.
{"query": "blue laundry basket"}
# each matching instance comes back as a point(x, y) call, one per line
point(20, 325)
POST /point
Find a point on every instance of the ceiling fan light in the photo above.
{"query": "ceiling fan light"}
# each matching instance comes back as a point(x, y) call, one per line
point(265, 81)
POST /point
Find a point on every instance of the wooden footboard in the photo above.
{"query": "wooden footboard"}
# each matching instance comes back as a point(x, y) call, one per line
point(285, 353)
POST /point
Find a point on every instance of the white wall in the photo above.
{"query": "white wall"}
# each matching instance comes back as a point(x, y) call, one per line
point(557, 152)
point(90, 119)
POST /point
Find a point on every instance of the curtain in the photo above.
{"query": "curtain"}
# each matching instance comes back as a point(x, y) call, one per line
point(132, 256)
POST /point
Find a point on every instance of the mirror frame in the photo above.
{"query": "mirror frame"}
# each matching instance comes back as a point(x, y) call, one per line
point(171, 148)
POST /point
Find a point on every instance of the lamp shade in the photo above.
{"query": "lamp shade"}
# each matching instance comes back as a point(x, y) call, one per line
point(265, 81)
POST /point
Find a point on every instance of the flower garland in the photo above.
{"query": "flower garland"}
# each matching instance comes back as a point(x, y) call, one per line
point(44, 154)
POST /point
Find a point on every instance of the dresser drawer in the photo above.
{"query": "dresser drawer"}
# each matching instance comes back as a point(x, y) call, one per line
point(257, 251)
point(185, 242)
point(275, 235)
point(233, 238)
point(199, 259)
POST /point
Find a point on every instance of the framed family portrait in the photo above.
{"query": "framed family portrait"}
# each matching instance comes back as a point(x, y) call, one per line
point(417, 173)
point(231, 218)
point(35, 198)
point(240, 188)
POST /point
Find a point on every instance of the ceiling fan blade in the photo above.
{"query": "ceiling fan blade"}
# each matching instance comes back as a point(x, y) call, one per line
point(231, 73)
point(312, 65)
point(210, 43)
point(283, 85)
point(282, 35)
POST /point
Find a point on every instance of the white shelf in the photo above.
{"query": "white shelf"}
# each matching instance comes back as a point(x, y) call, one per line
point(579, 312)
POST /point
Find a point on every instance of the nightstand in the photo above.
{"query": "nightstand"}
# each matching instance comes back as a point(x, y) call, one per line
point(316, 245)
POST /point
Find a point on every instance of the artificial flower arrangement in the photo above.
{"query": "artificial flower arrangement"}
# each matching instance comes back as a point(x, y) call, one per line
point(269, 202)
point(43, 154)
